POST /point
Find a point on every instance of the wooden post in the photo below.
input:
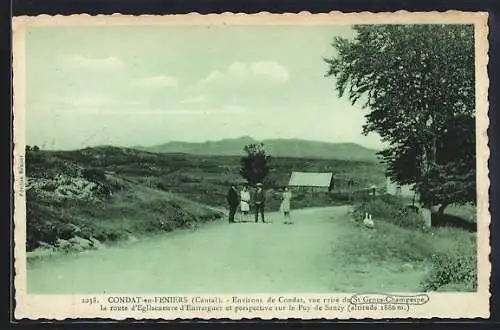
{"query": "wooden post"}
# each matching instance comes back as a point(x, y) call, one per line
point(349, 188)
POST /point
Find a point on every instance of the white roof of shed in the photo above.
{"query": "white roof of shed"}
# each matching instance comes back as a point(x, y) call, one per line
point(310, 179)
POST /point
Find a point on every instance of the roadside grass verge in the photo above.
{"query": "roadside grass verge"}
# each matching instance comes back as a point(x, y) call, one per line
point(449, 254)
point(447, 251)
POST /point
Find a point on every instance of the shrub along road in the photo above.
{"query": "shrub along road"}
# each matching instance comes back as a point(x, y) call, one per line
point(306, 256)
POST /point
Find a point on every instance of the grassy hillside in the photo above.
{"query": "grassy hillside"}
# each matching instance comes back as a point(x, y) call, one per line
point(295, 148)
point(70, 200)
point(206, 179)
point(78, 199)
point(109, 193)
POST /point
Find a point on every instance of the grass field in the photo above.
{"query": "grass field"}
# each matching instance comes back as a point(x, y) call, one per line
point(113, 194)
point(110, 193)
point(206, 178)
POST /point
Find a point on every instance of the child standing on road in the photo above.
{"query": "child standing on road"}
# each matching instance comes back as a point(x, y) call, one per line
point(285, 205)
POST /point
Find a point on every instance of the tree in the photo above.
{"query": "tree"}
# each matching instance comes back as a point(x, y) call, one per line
point(418, 83)
point(256, 164)
point(452, 179)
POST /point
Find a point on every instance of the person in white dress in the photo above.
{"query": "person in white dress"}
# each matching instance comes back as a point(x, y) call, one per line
point(285, 205)
point(245, 201)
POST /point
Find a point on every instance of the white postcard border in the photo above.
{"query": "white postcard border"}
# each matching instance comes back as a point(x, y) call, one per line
point(58, 307)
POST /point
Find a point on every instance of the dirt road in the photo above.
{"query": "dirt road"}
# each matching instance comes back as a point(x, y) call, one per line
point(220, 257)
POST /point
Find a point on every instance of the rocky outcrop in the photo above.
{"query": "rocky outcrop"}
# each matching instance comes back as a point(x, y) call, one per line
point(62, 187)
point(74, 244)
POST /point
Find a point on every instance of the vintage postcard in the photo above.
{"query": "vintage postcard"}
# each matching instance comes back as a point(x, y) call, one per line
point(238, 166)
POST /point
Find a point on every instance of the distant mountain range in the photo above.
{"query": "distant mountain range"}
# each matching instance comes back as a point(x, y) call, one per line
point(277, 147)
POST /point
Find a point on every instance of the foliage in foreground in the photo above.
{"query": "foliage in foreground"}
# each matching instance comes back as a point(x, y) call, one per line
point(389, 208)
point(452, 270)
point(399, 234)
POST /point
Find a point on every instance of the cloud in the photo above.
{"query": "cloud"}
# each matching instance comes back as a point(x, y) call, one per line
point(84, 103)
point(83, 100)
point(212, 77)
point(111, 63)
point(196, 100)
point(158, 82)
point(181, 111)
point(235, 109)
point(272, 70)
point(242, 71)
point(227, 109)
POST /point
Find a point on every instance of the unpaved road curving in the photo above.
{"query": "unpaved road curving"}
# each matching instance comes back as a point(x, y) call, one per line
point(222, 258)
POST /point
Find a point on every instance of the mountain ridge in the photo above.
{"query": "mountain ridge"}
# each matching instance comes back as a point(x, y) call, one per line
point(279, 147)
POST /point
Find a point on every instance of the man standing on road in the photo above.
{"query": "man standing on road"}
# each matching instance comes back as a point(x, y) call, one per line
point(259, 201)
point(232, 199)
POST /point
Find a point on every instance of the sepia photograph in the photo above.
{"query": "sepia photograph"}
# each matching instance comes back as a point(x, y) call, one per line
point(251, 158)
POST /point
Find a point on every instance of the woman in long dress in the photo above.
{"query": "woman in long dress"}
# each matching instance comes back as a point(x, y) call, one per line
point(285, 205)
point(245, 201)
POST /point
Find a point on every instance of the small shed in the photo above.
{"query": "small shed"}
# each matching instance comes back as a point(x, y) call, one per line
point(317, 182)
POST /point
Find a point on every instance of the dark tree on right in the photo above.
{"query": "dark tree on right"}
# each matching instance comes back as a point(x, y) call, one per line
point(418, 84)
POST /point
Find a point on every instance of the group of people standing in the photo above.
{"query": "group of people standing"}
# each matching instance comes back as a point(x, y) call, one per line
point(243, 200)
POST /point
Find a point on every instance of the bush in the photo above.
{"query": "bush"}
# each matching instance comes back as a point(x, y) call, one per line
point(452, 271)
point(94, 174)
point(105, 234)
point(382, 206)
point(115, 185)
point(389, 208)
point(42, 223)
point(409, 217)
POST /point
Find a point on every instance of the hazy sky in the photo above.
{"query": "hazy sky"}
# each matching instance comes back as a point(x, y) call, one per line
point(149, 85)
